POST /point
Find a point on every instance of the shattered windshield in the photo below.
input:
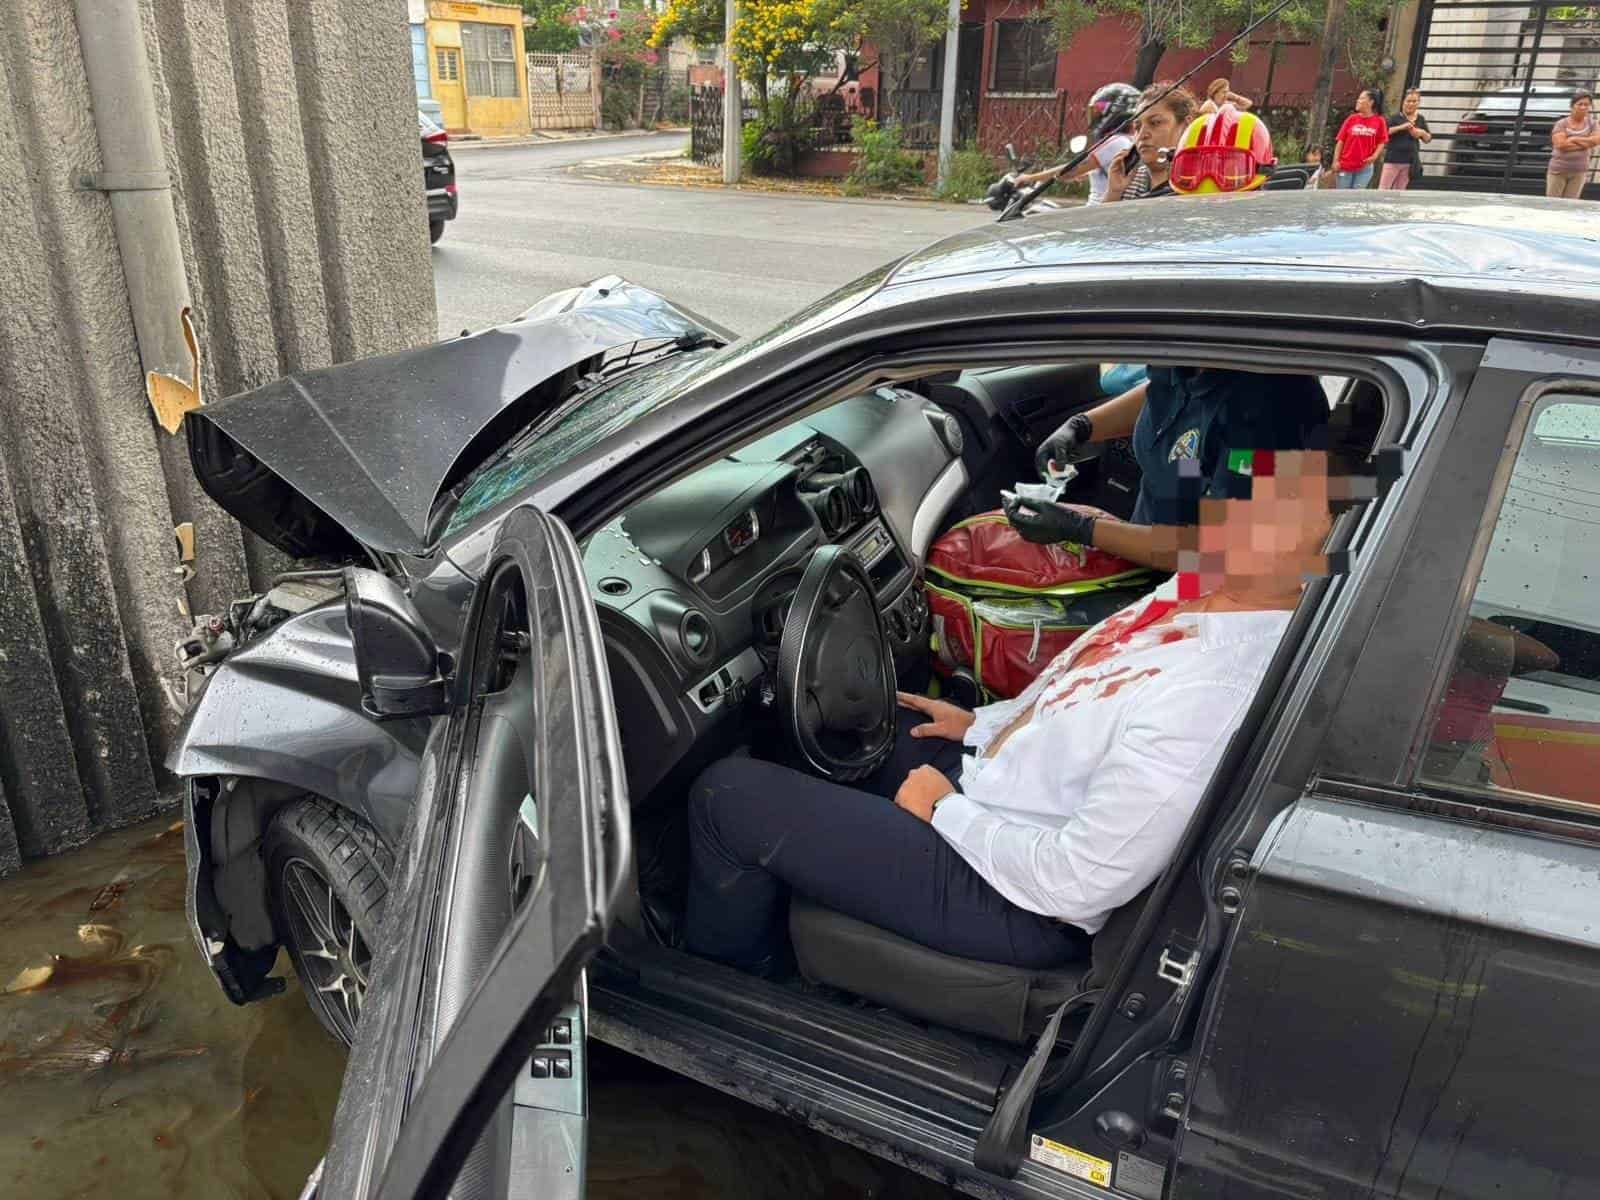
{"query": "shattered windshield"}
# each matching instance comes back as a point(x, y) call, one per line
point(595, 417)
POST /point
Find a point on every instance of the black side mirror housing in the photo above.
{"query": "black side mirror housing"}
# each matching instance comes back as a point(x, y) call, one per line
point(401, 670)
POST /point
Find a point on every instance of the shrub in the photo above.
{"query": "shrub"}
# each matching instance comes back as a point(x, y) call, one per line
point(971, 172)
point(1290, 148)
point(881, 165)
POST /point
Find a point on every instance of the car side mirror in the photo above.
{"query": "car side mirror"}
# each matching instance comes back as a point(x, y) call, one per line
point(401, 670)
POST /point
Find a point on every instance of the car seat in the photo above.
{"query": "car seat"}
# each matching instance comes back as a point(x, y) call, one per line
point(995, 1000)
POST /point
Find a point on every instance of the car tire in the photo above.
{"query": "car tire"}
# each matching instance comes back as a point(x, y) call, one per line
point(327, 879)
point(435, 231)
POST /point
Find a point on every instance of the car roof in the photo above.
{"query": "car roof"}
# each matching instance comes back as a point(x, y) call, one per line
point(1538, 245)
point(1542, 100)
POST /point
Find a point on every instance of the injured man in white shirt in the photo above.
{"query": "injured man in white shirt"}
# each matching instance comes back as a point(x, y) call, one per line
point(1015, 830)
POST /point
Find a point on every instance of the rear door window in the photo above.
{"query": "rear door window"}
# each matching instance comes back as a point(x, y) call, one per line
point(1521, 710)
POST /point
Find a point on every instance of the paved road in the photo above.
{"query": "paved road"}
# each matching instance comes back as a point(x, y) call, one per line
point(528, 226)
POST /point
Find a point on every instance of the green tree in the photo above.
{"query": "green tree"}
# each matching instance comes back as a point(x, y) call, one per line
point(1160, 25)
point(780, 43)
point(900, 30)
point(551, 31)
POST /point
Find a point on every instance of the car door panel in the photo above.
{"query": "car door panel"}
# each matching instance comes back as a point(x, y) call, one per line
point(1405, 1003)
point(1405, 1012)
point(510, 871)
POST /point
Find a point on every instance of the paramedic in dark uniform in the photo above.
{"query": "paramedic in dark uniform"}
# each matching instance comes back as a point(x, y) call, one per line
point(1183, 421)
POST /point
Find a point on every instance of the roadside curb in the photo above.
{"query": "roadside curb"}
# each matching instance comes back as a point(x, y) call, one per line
point(520, 143)
point(583, 171)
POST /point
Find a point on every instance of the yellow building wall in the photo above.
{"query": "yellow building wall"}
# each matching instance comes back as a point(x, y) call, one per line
point(487, 116)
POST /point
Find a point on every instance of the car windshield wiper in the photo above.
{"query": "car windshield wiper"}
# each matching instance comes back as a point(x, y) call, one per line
point(635, 355)
point(618, 362)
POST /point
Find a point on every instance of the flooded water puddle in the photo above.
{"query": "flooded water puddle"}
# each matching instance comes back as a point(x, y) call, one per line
point(123, 1068)
point(125, 1071)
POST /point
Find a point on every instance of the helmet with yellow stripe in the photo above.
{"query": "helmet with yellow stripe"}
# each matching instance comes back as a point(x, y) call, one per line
point(1224, 151)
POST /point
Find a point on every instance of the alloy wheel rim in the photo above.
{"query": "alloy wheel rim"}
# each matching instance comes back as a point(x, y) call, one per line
point(335, 959)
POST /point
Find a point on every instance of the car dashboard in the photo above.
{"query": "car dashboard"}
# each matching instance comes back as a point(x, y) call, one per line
point(693, 584)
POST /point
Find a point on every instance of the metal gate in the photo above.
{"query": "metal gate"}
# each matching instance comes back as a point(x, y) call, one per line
point(705, 126)
point(1495, 76)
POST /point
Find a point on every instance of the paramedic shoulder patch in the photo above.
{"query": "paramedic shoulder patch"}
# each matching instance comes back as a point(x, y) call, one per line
point(1074, 1162)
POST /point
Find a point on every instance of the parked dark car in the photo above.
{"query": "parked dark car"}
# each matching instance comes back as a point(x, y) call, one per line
point(438, 175)
point(449, 772)
point(1501, 131)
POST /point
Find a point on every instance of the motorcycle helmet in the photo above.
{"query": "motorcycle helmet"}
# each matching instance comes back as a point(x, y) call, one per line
point(1224, 151)
point(1111, 108)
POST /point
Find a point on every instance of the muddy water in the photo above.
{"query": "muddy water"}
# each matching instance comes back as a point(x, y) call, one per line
point(124, 1071)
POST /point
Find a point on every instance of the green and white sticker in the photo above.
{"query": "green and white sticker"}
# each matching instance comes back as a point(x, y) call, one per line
point(1074, 1162)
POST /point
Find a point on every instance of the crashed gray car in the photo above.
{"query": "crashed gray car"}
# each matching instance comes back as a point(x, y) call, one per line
point(545, 570)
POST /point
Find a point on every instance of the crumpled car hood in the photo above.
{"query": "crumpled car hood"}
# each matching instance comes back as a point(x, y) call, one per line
point(320, 462)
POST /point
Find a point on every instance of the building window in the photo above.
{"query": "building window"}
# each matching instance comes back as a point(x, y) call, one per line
point(491, 60)
point(449, 66)
point(419, 62)
point(1024, 57)
point(1521, 710)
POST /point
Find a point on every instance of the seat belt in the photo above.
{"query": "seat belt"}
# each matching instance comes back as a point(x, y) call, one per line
point(1001, 1145)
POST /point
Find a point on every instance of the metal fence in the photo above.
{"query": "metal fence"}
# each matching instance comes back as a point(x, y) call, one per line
point(705, 126)
point(1495, 77)
point(564, 91)
point(917, 115)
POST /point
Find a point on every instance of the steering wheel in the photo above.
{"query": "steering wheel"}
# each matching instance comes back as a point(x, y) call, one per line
point(836, 683)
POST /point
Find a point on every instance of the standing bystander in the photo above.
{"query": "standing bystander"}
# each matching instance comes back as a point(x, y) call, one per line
point(1572, 140)
point(1360, 142)
point(1408, 132)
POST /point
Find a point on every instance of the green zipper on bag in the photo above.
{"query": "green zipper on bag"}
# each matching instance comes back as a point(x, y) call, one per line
point(983, 586)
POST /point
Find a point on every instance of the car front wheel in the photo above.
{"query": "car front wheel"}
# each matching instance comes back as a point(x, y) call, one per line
point(329, 879)
point(435, 230)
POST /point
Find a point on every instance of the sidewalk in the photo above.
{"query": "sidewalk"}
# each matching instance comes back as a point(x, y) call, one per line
point(543, 137)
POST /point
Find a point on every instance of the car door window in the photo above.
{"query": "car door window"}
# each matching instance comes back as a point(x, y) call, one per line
point(1521, 710)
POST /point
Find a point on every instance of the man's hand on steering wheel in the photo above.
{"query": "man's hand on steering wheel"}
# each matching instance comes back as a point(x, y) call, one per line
point(945, 720)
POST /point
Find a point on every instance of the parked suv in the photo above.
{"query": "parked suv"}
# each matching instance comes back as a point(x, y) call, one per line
point(438, 175)
point(1483, 140)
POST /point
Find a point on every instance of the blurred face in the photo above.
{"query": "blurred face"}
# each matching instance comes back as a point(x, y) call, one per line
point(1270, 531)
point(1364, 103)
point(1413, 102)
point(1157, 130)
point(1581, 108)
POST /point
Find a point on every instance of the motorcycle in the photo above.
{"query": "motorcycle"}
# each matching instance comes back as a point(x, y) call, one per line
point(1004, 190)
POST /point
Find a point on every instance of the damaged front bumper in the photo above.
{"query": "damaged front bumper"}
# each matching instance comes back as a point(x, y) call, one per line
point(242, 974)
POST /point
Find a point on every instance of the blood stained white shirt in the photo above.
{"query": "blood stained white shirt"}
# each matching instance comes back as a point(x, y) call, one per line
point(1081, 807)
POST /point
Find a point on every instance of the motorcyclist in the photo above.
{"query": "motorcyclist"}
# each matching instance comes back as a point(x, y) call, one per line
point(1110, 111)
point(1182, 420)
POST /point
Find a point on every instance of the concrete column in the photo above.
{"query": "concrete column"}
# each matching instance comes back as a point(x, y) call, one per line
point(288, 132)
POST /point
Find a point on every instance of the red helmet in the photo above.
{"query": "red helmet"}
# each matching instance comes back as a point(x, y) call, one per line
point(1224, 151)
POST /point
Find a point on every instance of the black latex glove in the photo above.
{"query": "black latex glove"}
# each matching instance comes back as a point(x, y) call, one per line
point(1046, 522)
point(1069, 444)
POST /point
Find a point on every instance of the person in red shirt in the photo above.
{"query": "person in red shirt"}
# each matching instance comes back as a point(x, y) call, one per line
point(1361, 140)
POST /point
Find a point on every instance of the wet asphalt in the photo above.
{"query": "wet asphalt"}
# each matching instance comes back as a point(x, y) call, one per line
point(535, 219)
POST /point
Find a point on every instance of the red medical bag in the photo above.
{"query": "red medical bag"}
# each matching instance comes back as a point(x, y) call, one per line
point(1003, 607)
